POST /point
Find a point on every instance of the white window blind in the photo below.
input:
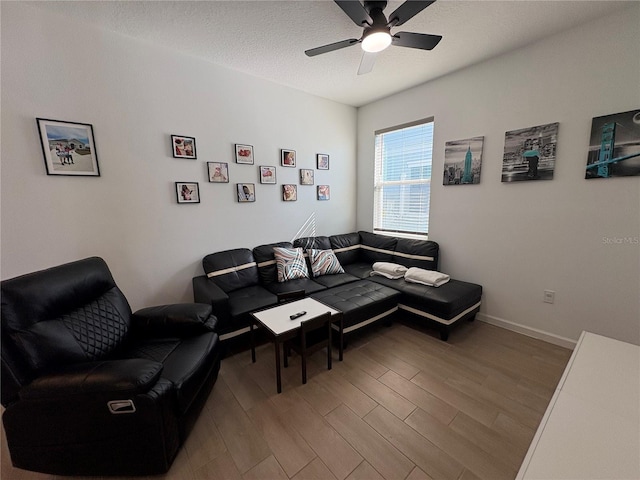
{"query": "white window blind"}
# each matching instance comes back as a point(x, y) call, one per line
point(402, 181)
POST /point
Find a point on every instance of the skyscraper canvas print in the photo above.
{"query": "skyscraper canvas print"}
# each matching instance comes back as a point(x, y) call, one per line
point(463, 161)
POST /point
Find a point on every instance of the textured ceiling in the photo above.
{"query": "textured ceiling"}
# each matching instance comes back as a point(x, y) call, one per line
point(267, 39)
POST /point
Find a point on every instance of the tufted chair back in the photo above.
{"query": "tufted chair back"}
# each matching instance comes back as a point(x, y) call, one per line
point(64, 315)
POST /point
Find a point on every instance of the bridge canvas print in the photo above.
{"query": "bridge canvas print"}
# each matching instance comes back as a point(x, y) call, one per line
point(614, 148)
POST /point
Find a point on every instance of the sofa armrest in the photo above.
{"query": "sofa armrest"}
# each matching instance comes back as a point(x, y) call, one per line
point(176, 320)
point(120, 377)
point(206, 291)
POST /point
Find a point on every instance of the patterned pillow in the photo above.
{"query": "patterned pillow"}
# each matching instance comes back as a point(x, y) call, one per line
point(324, 262)
point(290, 263)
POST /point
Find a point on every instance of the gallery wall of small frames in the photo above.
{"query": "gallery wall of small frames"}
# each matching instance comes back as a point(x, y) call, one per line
point(218, 172)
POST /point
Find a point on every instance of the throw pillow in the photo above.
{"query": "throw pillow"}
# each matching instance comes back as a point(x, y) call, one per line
point(290, 263)
point(324, 262)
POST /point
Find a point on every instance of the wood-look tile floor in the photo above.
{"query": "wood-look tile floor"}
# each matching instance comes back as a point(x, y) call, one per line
point(402, 405)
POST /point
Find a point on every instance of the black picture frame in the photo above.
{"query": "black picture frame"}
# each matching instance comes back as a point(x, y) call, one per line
point(288, 157)
point(188, 192)
point(244, 154)
point(306, 176)
point(183, 147)
point(218, 172)
point(324, 192)
point(322, 161)
point(246, 192)
point(69, 148)
point(267, 174)
point(289, 192)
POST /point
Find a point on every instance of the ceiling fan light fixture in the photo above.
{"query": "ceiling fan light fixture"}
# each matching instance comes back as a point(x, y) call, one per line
point(376, 41)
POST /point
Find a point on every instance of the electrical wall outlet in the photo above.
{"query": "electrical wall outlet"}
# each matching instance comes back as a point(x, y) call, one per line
point(549, 296)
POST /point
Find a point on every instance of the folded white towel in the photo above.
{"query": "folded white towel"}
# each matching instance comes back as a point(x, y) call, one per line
point(389, 270)
point(426, 277)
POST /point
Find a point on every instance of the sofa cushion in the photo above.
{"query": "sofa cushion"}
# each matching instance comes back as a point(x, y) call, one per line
point(359, 269)
point(324, 262)
point(331, 281)
point(267, 269)
point(309, 286)
point(377, 248)
point(442, 304)
point(346, 247)
point(360, 302)
point(241, 303)
point(290, 263)
point(321, 243)
point(231, 269)
point(416, 253)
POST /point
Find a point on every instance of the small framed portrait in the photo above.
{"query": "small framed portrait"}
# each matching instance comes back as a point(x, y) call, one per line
point(267, 174)
point(306, 176)
point(289, 192)
point(183, 147)
point(324, 192)
point(322, 160)
point(188, 192)
point(244, 154)
point(246, 192)
point(288, 158)
point(218, 172)
point(68, 147)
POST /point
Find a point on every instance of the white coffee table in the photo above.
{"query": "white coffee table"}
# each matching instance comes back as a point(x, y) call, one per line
point(279, 326)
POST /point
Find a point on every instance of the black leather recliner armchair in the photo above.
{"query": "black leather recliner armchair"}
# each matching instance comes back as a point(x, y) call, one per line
point(92, 389)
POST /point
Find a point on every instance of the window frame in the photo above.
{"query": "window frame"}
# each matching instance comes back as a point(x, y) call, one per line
point(379, 185)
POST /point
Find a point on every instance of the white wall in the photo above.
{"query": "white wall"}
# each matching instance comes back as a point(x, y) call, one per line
point(136, 95)
point(519, 239)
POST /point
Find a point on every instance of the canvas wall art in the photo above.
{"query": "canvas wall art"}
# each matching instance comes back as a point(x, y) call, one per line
point(463, 161)
point(530, 153)
point(614, 148)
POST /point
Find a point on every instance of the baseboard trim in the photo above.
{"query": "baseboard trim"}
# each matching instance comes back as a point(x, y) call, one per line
point(528, 331)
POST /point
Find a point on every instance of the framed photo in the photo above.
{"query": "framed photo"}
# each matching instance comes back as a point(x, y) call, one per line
point(267, 174)
point(324, 192)
point(463, 161)
point(614, 147)
point(306, 176)
point(183, 147)
point(288, 158)
point(289, 192)
point(188, 192)
point(322, 161)
point(246, 192)
point(530, 153)
point(218, 172)
point(244, 154)
point(68, 148)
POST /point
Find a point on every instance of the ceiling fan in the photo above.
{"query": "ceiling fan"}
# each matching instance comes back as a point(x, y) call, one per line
point(377, 29)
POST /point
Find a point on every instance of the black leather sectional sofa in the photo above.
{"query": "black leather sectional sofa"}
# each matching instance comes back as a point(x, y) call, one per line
point(240, 281)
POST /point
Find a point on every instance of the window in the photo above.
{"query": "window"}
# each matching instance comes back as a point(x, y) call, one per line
point(402, 180)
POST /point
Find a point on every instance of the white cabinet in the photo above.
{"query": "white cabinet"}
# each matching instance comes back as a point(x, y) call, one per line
point(591, 429)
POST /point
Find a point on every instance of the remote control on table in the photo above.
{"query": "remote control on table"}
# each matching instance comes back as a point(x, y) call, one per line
point(297, 315)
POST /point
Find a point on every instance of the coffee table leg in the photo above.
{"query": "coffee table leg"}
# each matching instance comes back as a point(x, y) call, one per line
point(278, 379)
point(253, 343)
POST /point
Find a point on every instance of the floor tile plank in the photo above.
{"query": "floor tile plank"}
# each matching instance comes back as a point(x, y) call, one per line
point(382, 456)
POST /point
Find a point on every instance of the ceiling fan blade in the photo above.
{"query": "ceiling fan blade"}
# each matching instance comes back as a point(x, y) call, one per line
point(331, 47)
point(422, 41)
point(367, 62)
point(407, 10)
point(356, 12)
